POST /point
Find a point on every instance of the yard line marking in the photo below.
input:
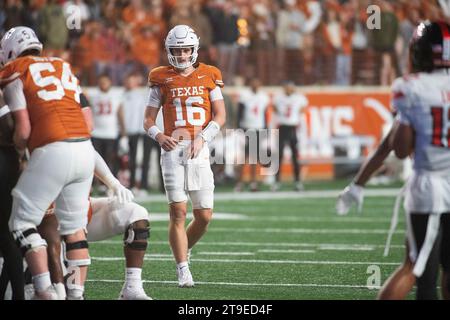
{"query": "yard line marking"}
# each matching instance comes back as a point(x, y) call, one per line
point(219, 253)
point(159, 255)
point(242, 283)
point(258, 261)
point(294, 230)
point(320, 219)
point(285, 251)
point(267, 195)
point(262, 244)
point(345, 248)
point(164, 216)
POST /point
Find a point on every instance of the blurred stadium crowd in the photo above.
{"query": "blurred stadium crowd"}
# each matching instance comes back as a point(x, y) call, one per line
point(310, 42)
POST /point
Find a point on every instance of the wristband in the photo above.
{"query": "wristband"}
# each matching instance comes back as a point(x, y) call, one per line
point(153, 132)
point(211, 130)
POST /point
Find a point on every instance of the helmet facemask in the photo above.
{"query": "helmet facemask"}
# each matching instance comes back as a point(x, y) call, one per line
point(178, 61)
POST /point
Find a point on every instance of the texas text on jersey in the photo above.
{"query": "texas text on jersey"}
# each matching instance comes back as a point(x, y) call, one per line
point(187, 103)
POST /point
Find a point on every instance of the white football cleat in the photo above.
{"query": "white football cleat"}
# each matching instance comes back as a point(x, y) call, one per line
point(275, 187)
point(238, 187)
point(133, 293)
point(47, 294)
point(29, 291)
point(299, 186)
point(185, 278)
point(254, 186)
point(75, 292)
point(350, 195)
point(60, 289)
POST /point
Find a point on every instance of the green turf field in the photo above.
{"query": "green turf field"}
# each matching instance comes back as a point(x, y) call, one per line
point(265, 249)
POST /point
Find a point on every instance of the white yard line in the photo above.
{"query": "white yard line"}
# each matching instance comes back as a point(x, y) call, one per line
point(266, 195)
point(164, 216)
point(238, 284)
point(263, 244)
point(345, 248)
point(285, 251)
point(318, 262)
point(301, 218)
point(295, 230)
point(220, 253)
point(158, 255)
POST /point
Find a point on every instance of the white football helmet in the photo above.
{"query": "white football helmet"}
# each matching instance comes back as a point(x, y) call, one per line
point(17, 40)
point(182, 36)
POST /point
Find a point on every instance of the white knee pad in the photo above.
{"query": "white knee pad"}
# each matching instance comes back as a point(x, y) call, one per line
point(78, 262)
point(28, 239)
point(202, 199)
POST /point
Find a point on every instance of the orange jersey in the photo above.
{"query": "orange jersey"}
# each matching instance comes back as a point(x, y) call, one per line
point(185, 100)
point(52, 96)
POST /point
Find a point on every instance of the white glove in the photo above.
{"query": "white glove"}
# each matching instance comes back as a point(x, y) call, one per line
point(350, 195)
point(122, 194)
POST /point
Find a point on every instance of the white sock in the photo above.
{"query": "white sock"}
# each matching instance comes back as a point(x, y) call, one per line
point(133, 277)
point(183, 264)
point(42, 281)
point(60, 290)
point(74, 292)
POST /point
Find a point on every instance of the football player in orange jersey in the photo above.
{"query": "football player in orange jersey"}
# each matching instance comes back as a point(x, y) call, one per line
point(193, 111)
point(44, 97)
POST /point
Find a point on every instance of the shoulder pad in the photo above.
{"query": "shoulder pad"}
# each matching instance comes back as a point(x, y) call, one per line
point(157, 76)
point(12, 70)
point(216, 75)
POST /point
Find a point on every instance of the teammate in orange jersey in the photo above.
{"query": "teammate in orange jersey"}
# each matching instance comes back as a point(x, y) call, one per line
point(193, 110)
point(44, 98)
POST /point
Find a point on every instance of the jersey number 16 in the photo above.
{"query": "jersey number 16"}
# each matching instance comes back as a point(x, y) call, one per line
point(191, 111)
